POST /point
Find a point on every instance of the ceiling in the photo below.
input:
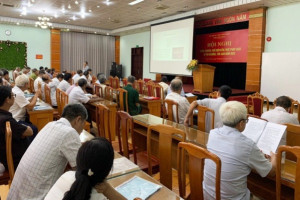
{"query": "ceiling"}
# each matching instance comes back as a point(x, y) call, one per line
point(116, 16)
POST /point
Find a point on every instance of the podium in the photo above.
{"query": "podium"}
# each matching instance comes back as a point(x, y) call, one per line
point(203, 78)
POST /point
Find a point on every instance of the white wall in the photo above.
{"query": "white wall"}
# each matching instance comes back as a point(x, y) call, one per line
point(131, 41)
point(37, 39)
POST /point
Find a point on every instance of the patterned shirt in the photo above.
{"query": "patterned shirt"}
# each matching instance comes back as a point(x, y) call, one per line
point(45, 160)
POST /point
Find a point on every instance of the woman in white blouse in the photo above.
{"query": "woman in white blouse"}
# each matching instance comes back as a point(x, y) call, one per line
point(94, 162)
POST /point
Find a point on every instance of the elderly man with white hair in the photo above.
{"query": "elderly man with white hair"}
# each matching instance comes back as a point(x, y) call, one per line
point(183, 103)
point(18, 109)
point(238, 154)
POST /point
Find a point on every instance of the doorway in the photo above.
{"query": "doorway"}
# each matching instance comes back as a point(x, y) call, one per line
point(137, 56)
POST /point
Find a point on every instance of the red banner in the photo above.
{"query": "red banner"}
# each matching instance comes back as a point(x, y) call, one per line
point(222, 47)
point(223, 20)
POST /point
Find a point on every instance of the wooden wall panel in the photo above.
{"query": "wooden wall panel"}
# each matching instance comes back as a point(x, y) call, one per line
point(117, 49)
point(256, 42)
point(55, 49)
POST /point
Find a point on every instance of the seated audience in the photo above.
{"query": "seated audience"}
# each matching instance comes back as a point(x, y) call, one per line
point(53, 85)
point(78, 74)
point(19, 132)
point(85, 66)
point(25, 71)
point(94, 162)
point(49, 73)
point(75, 83)
point(18, 109)
point(238, 154)
point(102, 81)
point(5, 78)
point(78, 95)
point(164, 84)
point(134, 107)
point(34, 73)
point(183, 103)
point(65, 84)
point(214, 104)
point(87, 76)
point(41, 68)
point(38, 80)
point(46, 158)
point(45, 80)
point(182, 91)
point(280, 115)
point(16, 73)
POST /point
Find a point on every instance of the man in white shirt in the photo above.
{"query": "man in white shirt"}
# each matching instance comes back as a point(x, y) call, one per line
point(46, 158)
point(183, 103)
point(214, 104)
point(16, 73)
point(85, 66)
point(164, 84)
point(53, 85)
point(78, 95)
point(18, 109)
point(78, 74)
point(38, 80)
point(280, 115)
point(65, 84)
point(5, 78)
point(238, 155)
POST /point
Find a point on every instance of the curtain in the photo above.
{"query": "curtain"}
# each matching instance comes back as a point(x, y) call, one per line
point(97, 50)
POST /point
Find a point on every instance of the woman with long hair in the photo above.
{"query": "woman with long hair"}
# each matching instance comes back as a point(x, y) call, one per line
point(94, 162)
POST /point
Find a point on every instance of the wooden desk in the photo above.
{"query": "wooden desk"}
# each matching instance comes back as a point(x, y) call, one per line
point(150, 106)
point(91, 107)
point(163, 194)
point(40, 118)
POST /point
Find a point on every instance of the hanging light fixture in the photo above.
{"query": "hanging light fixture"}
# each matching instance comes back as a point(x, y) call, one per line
point(43, 22)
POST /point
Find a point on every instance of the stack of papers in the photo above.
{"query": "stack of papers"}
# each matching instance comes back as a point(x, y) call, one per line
point(137, 187)
point(122, 165)
point(151, 98)
point(42, 107)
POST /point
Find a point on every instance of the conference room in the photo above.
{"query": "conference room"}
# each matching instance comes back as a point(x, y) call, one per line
point(191, 100)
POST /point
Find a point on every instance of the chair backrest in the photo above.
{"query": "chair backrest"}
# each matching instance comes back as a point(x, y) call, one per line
point(140, 86)
point(116, 83)
point(9, 158)
point(58, 101)
point(47, 94)
point(202, 117)
point(122, 99)
point(125, 81)
point(94, 79)
point(31, 85)
point(168, 110)
point(296, 152)
point(196, 156)
point(164, 150)
point(102, 119)
point(256, 102)
point(158, 91)
point(98, 90)
point(64, 99)
point(110, 78)
point(292, 138)
point(40, 87)
point(124, 126)
point(108, 93)
point(149, 88)
point(213, 95)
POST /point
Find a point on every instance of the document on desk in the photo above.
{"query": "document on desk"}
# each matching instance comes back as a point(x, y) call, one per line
point(266, 135)
point(122, 165)
point(137, 187)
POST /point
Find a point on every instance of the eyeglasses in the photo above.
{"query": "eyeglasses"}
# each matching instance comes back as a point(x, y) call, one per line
point(13, 95)
point(246, 120)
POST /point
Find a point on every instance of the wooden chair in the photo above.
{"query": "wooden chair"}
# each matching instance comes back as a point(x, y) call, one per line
point(255, 103)
point(296, 185)
point(168, 110)
point(166, 134)
point(149, 88)
point(292, 138)
point(102, 119)
point(31, 85)
point(58, 101)
point(98, 90)
point(115, 83)
point(9, 157)
point(108, 93)
point(140, 86)
point(158, 91)
point(94, 79)
point(124, 126)
point(122, 99)
point(64, 98)
point(125, 81)
point(196, 155)
point(47, 92)
point(202, 119)
point(40, 87)
point(110, 79)
point(213, 95)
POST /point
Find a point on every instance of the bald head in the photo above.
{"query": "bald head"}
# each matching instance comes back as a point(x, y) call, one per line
point(176, 85)
point(45, 78)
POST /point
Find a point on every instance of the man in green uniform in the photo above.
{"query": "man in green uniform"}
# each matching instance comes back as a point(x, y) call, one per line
point(133, 97)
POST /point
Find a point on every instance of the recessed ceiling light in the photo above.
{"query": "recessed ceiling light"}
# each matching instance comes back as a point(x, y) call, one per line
point(67, 21)
point(32, 1)
point(68, 29)
point(90, 10)
point(95, 32)
point(107, 33)
point(55, 15)
point(135, 2)
point(69, 6)
point(63, 10)
point(74, 18)
point(18, 23)
point(76, 2)
point(107, 2)
point(98, 6)
point(82, 15)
